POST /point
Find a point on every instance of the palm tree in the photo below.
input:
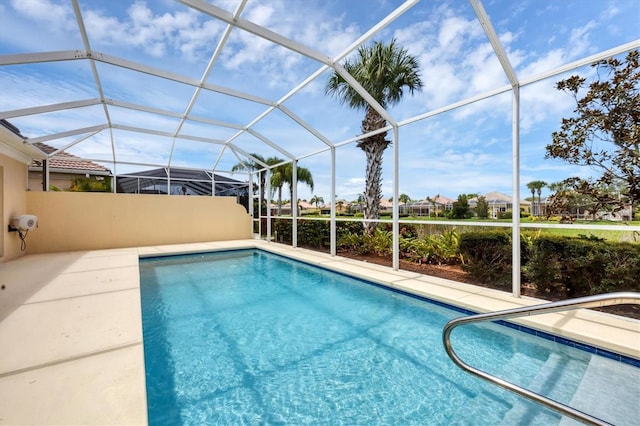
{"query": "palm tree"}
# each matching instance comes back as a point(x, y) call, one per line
point(405, 199)
point(284, 174)
point(317, 200)
point(250, 166)
point(278, 178)
point(534, 186)
point(533, 194)
point(384, 71)
point(360, 202)
point(302, 175)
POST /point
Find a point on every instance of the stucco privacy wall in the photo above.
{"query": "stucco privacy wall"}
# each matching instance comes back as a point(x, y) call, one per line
point(13, 202)
point(69, 221)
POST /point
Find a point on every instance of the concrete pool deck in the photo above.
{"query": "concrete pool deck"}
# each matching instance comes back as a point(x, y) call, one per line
point(71, 327)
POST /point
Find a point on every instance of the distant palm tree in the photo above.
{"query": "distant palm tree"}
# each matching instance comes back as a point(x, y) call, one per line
point(251, 166)
point(283, 174)
point(360, 201)
point(384, 71)
point(536, 186)
point(317, 200)
point(278, 178)
point(303, 175)
point(405, 199)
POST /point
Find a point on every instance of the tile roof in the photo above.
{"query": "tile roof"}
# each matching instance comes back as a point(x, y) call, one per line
point(66, 161)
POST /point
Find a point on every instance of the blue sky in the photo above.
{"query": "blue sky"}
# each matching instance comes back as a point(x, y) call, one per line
point(461, 151)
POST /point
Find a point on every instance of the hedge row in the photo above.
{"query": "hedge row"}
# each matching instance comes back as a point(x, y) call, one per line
point(312, 233)
point(583, 266)
point(487, 256)
point(576, 266)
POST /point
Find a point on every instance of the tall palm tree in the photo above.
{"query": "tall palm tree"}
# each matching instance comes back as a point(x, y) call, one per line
point(385, 71)
point(283, 174)
point(277, 178)
point(250, 166)
point(541, 184)
point(360, 202)
point(303, 175)
point(405, 199)
point(317, 200)
point(536, 187)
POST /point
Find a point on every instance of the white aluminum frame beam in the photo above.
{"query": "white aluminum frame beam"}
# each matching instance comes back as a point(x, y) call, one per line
point(271, 144)
point(484, 20)
point(73, 132)
point(94, 72)
point(166, 134)
point(205, 76)
point(499, 51)
point(49, 108)
point(256, 30)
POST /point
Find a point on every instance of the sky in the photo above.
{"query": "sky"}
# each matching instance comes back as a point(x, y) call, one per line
point(461, 151)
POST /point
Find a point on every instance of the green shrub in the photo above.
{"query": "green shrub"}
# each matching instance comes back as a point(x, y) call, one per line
point(488, 255)
point(91, 184)
point(380, 243)
point(406, 230)
point(436, 249)
point(312, 233)
point(583, 266)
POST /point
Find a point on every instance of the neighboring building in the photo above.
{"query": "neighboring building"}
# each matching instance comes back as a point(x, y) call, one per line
point(177, 181)
point(498, 203)
point(341, 207)
point(63, 169)
point(285, 210)
point(386, 207)
point(431, 206)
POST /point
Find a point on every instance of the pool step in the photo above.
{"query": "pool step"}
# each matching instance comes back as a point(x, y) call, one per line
point(558, 378)
point(492, 404)
point(610, 391)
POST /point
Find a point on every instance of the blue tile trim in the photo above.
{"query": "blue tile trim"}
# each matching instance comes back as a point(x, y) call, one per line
point(544, 335)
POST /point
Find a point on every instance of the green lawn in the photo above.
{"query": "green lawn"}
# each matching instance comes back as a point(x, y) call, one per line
point(616, 235)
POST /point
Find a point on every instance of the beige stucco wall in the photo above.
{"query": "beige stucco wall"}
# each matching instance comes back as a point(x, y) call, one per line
point(13, 202)
point(60, 181)
point(70, 221)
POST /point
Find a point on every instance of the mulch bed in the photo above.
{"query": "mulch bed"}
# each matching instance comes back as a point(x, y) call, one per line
point(455, 273)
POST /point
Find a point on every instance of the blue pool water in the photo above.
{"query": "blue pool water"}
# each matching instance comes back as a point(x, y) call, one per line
point(248, 337)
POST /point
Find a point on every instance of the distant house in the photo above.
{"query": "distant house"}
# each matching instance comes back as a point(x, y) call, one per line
point(498, 203)
point(341, 207)
point(63, 169)
point(285, 209)
point(430, 206)
point(386, 206)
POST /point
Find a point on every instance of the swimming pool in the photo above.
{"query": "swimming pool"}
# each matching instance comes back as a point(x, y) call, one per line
point(247, 337)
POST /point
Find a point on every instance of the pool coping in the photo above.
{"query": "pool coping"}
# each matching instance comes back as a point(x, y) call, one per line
point(71, 329)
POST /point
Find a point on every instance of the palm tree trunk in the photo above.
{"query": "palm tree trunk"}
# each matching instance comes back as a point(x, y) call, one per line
point(279, 200)
point(373, 147)
point(539, 190)
point(263, 184)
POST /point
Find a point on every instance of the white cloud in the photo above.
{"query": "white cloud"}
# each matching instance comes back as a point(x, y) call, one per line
point(56, 16)
point(579, 41)
point(157, 34)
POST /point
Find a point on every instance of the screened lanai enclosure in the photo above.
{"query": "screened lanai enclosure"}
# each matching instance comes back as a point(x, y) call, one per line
point(219, 94)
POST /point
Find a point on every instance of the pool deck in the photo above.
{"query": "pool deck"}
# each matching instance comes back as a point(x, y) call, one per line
point(71, 327)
